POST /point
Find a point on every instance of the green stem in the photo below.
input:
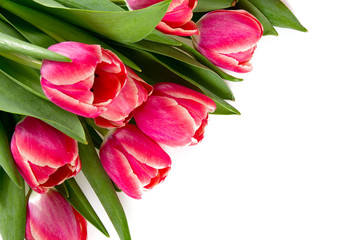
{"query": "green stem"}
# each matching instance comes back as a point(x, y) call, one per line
point(28, 61)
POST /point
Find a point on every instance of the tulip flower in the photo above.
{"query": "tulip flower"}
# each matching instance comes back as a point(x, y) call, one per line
point(134, 93)
point(174, 115)
point(177, 20)
point(44, 156)
point(88, 84)
point(229, 47)
point(133, 161)
point(50, 216)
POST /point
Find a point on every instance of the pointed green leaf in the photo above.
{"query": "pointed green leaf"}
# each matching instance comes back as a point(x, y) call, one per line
point(59, 29)
point(192, 72)
point(248, 6)
point(6, 28)
point(100, 5)
point(29, 32)
point(79, 201)
point(15, 99)
point(121, 26)
point(159, 37)
point(26, 77)
point(62, 189)
point(209, 5)
point(11, 44)
point(6, 159)
point(12, 209)
point(100, 182)
point(278, 14)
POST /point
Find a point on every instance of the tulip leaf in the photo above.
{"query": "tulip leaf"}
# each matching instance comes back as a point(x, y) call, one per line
point(12, 209)
point(159, 37)
point(209, 5)
point(6, 159)
point(248, 6)
point(16, 99)
point(101, 5)
point(14, 45)
point(29, 32)
point(197, 76)
point(6, 28)
point(278, 14)
point(154, 72)
point(62, 189)
point(26, 77)
point(79, 201)
point(100, 182)
point(59, 29)
point(121, 26)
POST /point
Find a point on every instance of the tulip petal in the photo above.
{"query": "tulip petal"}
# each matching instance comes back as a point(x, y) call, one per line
point(225, 61)
point(84, 60)
point(242, 31)
point(50, 216)
point(119, 169)
point(165, 121)
point(55, 148)
point(142, 148)
point(178, 91)
point(187, 29)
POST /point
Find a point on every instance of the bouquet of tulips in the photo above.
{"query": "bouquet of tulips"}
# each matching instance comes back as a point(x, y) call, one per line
point(101, 87)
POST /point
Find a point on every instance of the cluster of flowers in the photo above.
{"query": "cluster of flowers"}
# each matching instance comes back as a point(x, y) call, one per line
point(96, 84)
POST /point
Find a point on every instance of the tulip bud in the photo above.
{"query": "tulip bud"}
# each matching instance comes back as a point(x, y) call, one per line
point(88, 84)
point(133, 94)
point(44, 156)
point(50, 216)
point(229, 47)
point(133, 161)
point(177, 20)
point(174, 115)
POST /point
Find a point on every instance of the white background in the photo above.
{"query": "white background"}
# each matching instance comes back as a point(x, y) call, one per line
point(289, 167)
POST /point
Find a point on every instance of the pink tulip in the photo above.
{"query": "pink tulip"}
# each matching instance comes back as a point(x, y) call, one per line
point(44, 156)
point(228, 38)
point(133, 94)
point(133, 161)
point(50, 216)
point(177, 20)
point(174, 115)
point(88, 84)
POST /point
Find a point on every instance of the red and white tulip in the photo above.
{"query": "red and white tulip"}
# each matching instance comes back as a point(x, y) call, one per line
point(177, 20)
point(119, 112)
point(50, 216)
point(88, 84)
point(44, 156)
point(134, 161)
point(174, 115)
point(228, 38)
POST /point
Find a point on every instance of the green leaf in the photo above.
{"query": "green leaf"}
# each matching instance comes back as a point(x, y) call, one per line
point(11, 44)
point(209, 5)
point(268, 27)
point(100, 182)
point(121, 26)
point(59, 29)
point(6, 159)
point(186, 67)
point(79, 201)
point(154, 72)
point(15, 99)
point(12, 209)
point(26, 77)
point(6, 28)
point(28, 31)
point(62, 189)
point(100, 5)
point(159, 37)
point(197, 76)
point(278, 14)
